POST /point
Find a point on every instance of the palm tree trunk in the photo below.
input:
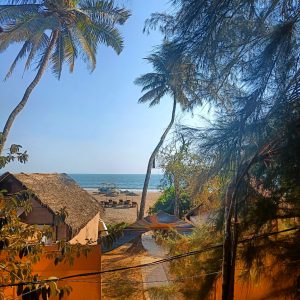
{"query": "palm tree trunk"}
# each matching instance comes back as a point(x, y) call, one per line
point(150, 163)
point(28, 91)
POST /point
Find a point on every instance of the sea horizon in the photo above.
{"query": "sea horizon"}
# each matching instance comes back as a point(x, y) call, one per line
point(134, 182)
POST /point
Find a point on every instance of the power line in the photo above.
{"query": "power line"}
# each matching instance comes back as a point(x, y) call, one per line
point(171, 258)
point(168, 280)
point(138, 282)
point(153, 281)
point(173, 280)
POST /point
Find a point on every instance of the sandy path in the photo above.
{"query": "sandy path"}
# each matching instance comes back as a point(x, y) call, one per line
point(127, 215)
point(153, 276)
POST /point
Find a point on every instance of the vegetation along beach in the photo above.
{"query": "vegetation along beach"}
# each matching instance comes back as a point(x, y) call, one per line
point(150, 150)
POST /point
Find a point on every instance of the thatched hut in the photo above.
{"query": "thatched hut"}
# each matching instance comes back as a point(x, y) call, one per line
point(56, 201)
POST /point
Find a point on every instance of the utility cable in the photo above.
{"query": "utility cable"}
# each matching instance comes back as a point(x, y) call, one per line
point(171, 258)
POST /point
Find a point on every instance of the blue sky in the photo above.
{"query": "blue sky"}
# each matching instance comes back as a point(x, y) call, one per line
point(89, 122)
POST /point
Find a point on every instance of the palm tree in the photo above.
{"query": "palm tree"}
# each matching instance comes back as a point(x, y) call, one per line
point(173, 75)
point(55, 32)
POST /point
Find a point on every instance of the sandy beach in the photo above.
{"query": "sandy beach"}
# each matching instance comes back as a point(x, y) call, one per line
point(127, 215)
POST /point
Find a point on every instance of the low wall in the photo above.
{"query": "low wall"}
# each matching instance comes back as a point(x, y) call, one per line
point(82, 287)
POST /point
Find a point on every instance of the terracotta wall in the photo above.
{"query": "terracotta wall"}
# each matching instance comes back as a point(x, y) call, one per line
point(90, 231)
point(84, 287)
point(265, 287)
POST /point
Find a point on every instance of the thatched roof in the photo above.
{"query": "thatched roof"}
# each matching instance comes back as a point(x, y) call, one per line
point(59, 191)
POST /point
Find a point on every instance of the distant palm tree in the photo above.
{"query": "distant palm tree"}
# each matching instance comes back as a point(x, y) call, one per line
point(173, 75)
point(57, 31)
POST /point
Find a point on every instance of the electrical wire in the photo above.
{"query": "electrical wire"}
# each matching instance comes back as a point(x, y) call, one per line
point(168, 280)
point(171, 258)
point(153, 281)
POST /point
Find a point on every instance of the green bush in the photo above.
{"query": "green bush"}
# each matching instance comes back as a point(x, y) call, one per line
point(166, 202)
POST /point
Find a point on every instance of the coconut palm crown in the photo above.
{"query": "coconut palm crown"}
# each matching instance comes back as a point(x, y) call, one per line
point(77, 26)
point(57, 31)
point(173, 74)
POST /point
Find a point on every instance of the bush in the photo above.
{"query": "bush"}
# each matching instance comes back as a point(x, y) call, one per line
point(166, 202)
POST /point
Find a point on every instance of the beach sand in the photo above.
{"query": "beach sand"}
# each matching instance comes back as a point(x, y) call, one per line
point(127, 215)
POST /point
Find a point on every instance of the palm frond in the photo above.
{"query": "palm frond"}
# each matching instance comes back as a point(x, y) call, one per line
point(102, 32)
point(149, 78)
point(24, 50)
point(10, 13)
point(153, 85)
point(70, 48)
point(82, 26)
point(173, 73)
point(107, 35)
point(39, 43)
point(158, 62)
point(84, 43)
point(24, 28)
point(58, 56)
point(153, 96)
point(104, 12)
point(21, 2)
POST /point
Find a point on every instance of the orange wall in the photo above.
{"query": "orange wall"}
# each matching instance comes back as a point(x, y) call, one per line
point(264, 288)
point(83, 287)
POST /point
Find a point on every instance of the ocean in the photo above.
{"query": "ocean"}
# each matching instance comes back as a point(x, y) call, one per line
point(121, 181)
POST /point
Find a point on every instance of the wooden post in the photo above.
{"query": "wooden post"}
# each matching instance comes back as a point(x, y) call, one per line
point(227, 288)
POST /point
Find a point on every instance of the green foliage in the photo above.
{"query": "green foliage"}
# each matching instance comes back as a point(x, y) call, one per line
point(13, 154)
point(180, 166)
point(247, 58)
point(194, 275)
point(167, 200)
point(115, 231)
point(163, 292)
point(179, 163)
point(248, 44)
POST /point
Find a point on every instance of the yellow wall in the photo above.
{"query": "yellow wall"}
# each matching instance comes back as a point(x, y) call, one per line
point(90, 231)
